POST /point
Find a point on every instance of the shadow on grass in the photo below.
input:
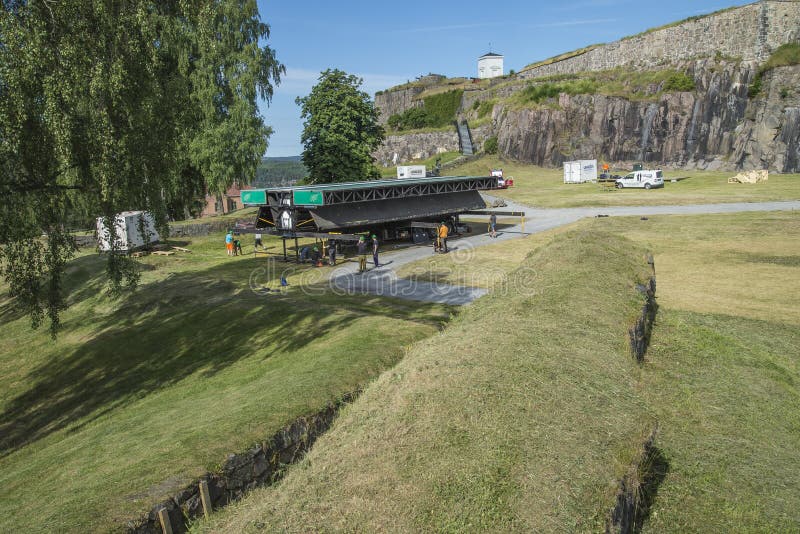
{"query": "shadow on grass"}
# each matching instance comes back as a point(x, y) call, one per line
point(655, 467)
point(164, 332)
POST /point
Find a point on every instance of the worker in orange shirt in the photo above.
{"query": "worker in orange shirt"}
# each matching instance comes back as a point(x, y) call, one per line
point(443, 231)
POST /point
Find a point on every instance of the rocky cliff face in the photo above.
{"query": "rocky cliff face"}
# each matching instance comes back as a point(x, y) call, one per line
point(716, 126)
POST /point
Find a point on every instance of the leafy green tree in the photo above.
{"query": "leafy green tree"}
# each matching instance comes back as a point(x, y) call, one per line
point(340, 131)
point(108, 106)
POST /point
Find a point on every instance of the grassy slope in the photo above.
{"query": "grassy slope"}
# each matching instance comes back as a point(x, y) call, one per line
point(528, 428)
point(536, 186)
point(722, 372)
point(140, 394)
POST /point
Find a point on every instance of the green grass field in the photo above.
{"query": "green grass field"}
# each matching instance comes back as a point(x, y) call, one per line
point(540, 187)
point(723, 373)
point(522, 414)
point(140, 394)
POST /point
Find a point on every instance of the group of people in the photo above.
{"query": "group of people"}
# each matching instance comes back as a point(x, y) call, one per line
point(233, 245)
point(313, 254)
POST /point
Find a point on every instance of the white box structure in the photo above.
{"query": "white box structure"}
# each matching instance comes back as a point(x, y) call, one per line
point(578, 172)
point(490, 65)
point(127, 229)
point(411, 171)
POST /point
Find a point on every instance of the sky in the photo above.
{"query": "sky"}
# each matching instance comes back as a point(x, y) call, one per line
point(390, 43)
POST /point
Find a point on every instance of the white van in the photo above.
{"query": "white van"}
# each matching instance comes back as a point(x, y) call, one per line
point(645, 179)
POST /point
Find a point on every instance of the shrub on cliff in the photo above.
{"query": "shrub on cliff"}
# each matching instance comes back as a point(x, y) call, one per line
point(785, 55)
point(679, 82)
point(490, 145)
point(437, 111)
point(442, 108)
point(410, 119)
point(538, 93)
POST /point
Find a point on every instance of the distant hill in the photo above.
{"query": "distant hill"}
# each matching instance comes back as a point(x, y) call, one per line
point(285, 170)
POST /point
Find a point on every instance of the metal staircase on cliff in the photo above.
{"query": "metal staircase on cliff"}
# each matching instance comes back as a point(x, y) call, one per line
point(464, 138)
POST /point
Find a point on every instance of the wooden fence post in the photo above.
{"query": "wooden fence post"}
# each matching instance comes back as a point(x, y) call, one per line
point(163, 517)
point(205, 498)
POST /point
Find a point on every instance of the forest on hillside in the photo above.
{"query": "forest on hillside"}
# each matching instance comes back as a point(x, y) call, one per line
point(279, 171)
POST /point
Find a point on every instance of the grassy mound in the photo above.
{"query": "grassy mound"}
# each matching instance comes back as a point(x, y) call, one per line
point(141, 394)
point(523, 415)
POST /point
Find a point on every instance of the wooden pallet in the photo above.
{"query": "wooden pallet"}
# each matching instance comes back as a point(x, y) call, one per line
point(181, 249)
point(163, 253)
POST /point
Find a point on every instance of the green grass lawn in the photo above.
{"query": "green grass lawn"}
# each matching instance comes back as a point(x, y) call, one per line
point(540, 187)
point(430, 163)
point(485, 426)
point(723, 372)
point(140, 394)
point(521, 416)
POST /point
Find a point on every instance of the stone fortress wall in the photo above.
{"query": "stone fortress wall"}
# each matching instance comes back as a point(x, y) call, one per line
point(750, 32)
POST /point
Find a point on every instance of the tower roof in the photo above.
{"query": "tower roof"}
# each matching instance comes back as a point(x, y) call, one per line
point(490, 54)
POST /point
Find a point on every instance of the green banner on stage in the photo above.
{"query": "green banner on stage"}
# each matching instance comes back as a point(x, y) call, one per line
point(305, 197)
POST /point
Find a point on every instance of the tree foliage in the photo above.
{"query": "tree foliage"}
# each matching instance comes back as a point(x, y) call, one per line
point(108, 106)
point(340, 131)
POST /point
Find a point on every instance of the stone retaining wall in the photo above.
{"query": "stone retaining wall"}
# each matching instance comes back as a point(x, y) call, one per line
point(262, 465)
point(415, 146)
point(750, 32)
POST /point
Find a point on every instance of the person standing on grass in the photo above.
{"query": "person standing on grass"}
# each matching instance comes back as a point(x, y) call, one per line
point(362, 254)
point(493, 225)
point(443, 231)
point(331, 252)
point(258, 242)
point(237, 247)
point(375, 250)
point(229, 243)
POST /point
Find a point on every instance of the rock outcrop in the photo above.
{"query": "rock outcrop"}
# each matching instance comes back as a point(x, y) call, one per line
point(717, 126)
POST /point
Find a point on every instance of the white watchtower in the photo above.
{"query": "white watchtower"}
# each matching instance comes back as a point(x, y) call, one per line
point(490, 65)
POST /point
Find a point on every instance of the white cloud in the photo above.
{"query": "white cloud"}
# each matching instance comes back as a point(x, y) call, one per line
point(588, 4)
point(572, 23)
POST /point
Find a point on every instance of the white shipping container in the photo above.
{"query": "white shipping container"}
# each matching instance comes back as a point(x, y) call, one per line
point(127, 230)
point(411, 171)
point(578, 172)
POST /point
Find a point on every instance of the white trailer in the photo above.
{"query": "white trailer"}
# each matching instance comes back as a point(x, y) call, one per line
point(411, 171)
point(129, 227)
point(580, 171)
